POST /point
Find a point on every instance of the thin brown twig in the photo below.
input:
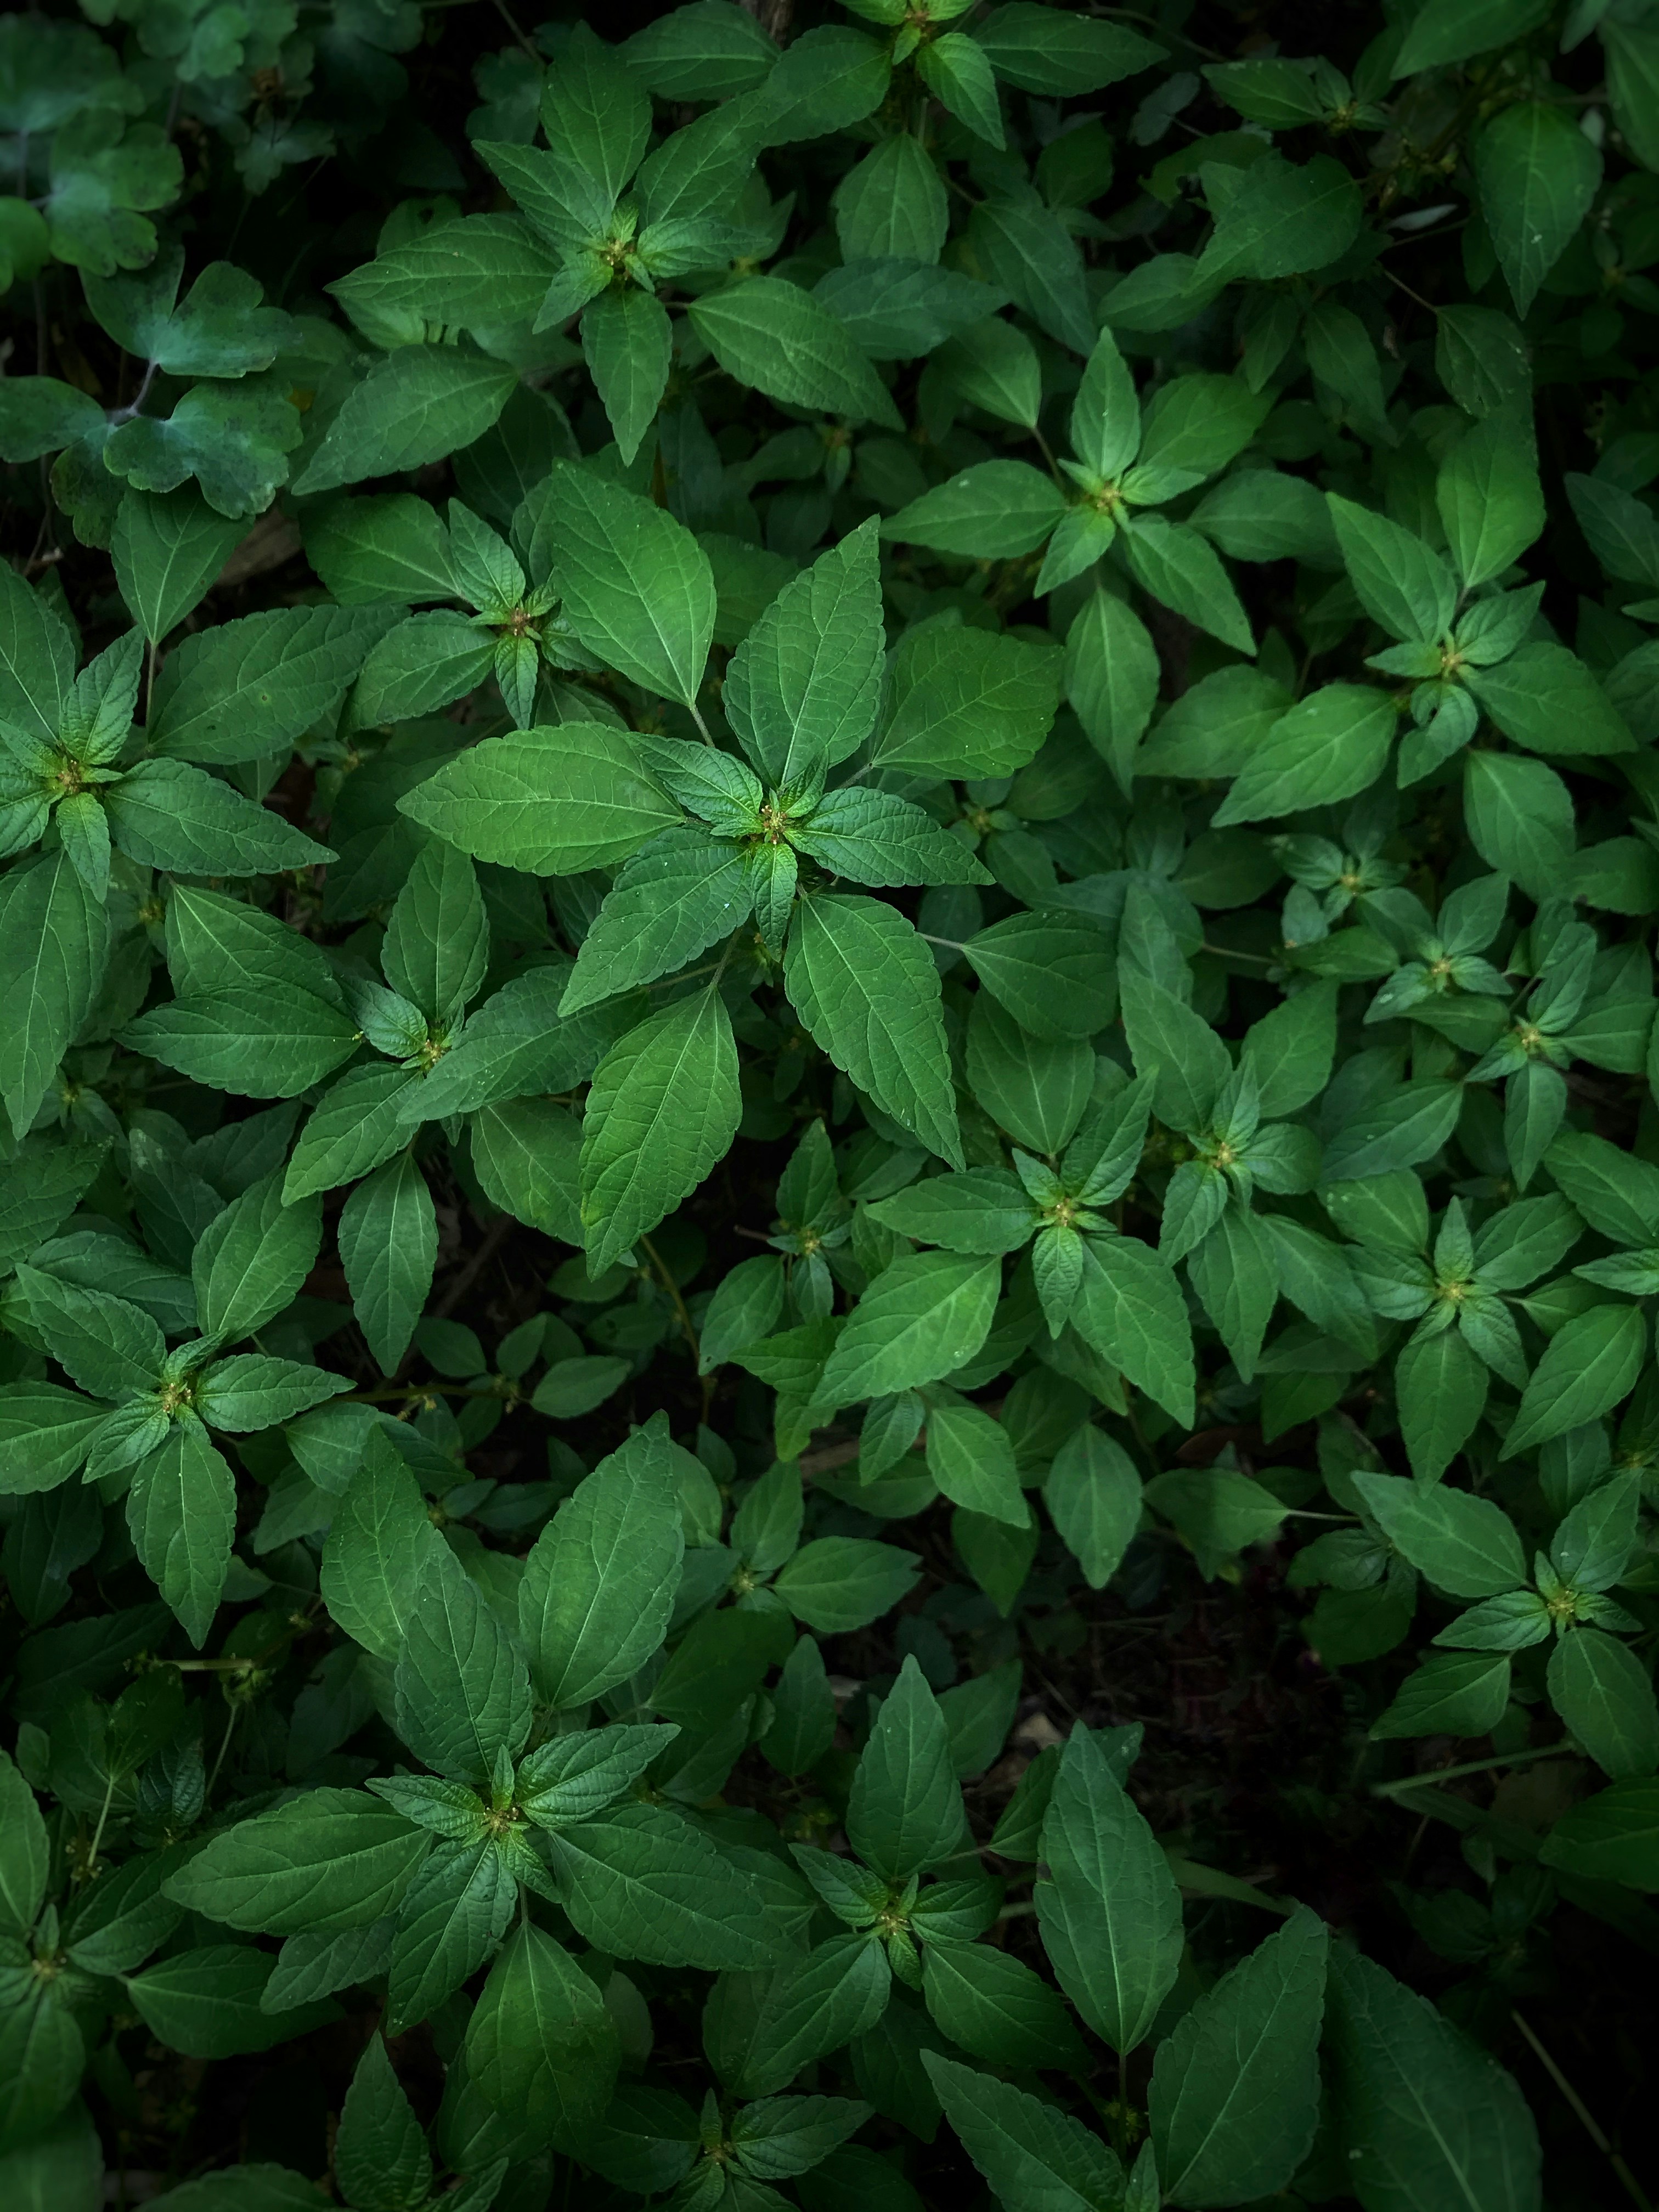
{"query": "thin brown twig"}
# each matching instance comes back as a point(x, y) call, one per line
point(487, 1245)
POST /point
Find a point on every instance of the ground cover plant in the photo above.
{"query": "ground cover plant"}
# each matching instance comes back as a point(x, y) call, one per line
point(829, 1189)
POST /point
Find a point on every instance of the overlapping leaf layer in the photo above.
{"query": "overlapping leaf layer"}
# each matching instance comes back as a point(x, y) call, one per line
point(830, 857)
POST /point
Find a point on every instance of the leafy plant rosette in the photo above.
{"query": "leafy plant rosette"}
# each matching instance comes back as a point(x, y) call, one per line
point(1036, 635)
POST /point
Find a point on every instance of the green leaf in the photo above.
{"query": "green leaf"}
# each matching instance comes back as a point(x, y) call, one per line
point(972, 1459)
point(1605, 1695)
point(1404, 1128)
point(897, 308)
point(455, 1912)
point(235, 439)
point(1290, 1051)
point(1182, 569)
point(252, 1259)
point(44, 1434)
point(54, 947)
point(923, 1317)
point(168, 548)
point(418, 404)
point(1219, 1512)
point(181, 1515)
point(905, 1812)
point(1611, 1837)
point(1108, 1906)
point(671, 901)
point(108, 1344)
point(638, 590)
point(436, 947)
point(1591, 1363)
point(528, 1157)
point(1093, 1493)
point(41, 1185)
point(871, 838)
point(663, 1108)
point(37, 659)
point(1052, 973)
point(893, 204)
point(540, 2045)
point(957, 70)
point(599, 1583)
point(1424, 2116)
point(769, 334)
point(1130, 1311)
point(1465, 1545)
point(642, 1883)
point(980, 1210)
point(263, 1040)
point(552, 801)
point(388, 1240)
point(1187, 1062)
point(1537, 174)
point(997, 2008)
point(840, 1991)
point(164, 814)
point(1457, 1694)
point(462, 1690)
point(1234, 2098)
point(783, 2137)
point(219, 329)
point(1519, 814)
point(1401, 583)
point(801, 690)
point(24, 1853)
point(1330, 746)
point(1195, 423)
point(252, 1390)
point(1111, 679)
point(367, 551)
point(1024, 246)
point(1490, 498)
point(1045, 50)
point(247, 688)
point(991, 510)
point(329, 1859)
point(379, 1543)
point(1030, 2152)
point(1462, 29)
point(701, 52)
point(627, 342)
point(381, 2156)
point(1544, 697)
point(804, 1711)
point(356, 1124)
point(476, 270)
point(839, 1583)
point(1282, 221)
point(864, 986)
point(205, 2001)
point(968, 702)
point(1441, 1388)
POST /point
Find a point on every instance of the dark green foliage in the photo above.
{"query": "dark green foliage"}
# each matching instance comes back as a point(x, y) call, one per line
point(827, 852)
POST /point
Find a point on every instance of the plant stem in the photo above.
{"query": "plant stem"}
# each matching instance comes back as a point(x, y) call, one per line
point(673, 1291)
point(505, 14)
point(97, 1833)
point(1637, 2195)
point(224, 1745)
point(703, 727)
point(1471, 1766)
